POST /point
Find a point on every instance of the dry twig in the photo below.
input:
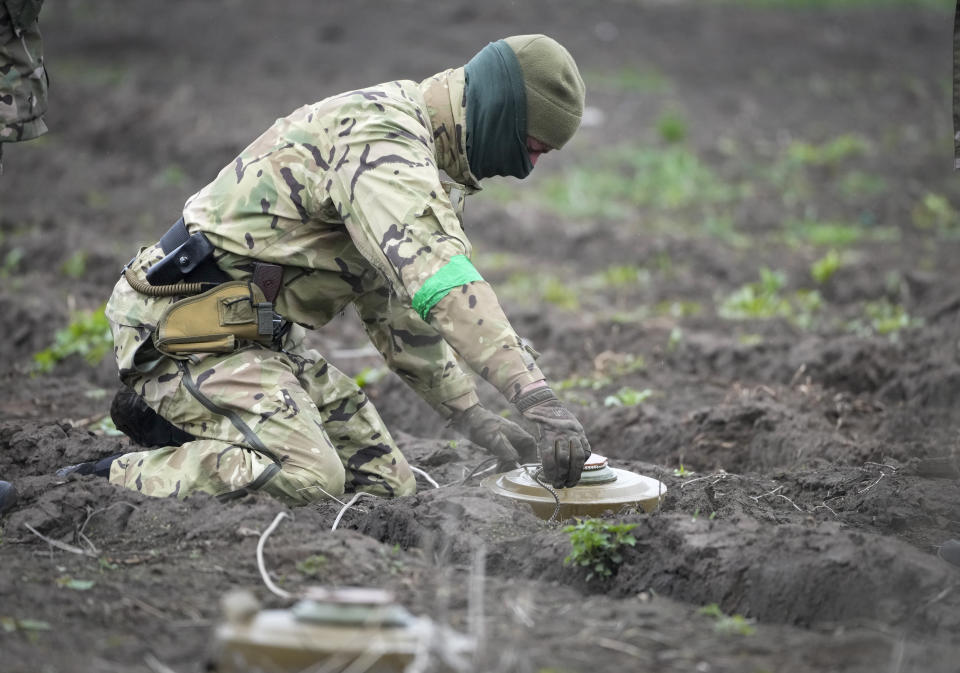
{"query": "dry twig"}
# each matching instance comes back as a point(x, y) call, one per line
point(719, 477)
point(60, 545)
point(625, 648)
point(864, 490)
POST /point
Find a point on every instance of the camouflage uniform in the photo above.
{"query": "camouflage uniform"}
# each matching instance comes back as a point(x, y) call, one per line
point(346, 195)
point(23, 79)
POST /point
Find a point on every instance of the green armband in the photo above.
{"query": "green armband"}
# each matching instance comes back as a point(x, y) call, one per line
point(458, 271)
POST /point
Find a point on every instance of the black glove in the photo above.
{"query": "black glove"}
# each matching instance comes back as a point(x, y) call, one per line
point(504, 439)
point(563, 445)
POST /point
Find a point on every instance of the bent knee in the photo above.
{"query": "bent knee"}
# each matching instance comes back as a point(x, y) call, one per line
point(304, 486)
point(406, 485)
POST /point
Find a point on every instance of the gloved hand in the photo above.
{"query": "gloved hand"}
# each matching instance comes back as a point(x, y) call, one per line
point(563, 445)
point(504, 439)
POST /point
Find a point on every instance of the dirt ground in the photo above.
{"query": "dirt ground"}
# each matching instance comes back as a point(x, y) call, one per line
point(811, 464)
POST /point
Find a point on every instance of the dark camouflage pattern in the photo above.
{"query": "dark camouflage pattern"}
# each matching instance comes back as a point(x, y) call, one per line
point(23, 80)
point(315, 423)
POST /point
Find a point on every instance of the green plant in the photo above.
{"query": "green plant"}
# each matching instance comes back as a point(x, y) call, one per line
point(393, 558)
point(835, 234)
point(620, 180)
point(883, 317)
point(526, 286)
point(560, 294)
point(763, 299)
point(596, 545)
point(823, 269)
point(312, 565)
point(627, 397)
point(857, 185)
point(829, 153)
point(88, 334)
point(682, 471)
point(75, 584)
point(369, 375)
point(728, 624)
point(838, 234)
point(759, 299)
point(671, 126)
point(76, 265)
point(11, 624)
point(173, 175)
point(935, 212)
point(11, 261)
point(620, 276)
point(643, 80)
point(678, 308)
point(106, 564)
point(674, 340)
point(599, 379)
point(105, 426)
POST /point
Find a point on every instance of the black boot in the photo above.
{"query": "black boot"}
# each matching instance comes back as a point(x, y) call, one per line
point(143, 425)
point(8, 496)
point(100, 468)
point(950, 552)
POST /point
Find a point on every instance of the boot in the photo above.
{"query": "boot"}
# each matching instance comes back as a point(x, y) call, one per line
point(8, 496)
point(100, 468)
point(950, 552)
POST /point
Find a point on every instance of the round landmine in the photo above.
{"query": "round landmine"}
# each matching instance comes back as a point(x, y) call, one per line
point(330, 629)
point(600, 488)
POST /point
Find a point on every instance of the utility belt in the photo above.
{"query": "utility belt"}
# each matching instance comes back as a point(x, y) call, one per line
point(217, 315)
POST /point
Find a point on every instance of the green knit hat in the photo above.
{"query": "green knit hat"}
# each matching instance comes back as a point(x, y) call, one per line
point(555, 92)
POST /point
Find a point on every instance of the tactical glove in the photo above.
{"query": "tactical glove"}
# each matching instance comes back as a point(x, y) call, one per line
point(563, 445)
point(504, 439)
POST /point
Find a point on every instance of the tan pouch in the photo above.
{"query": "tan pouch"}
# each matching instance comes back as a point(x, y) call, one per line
point(216, 320)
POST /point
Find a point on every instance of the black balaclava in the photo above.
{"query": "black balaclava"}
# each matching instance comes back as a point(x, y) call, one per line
point(496, 114)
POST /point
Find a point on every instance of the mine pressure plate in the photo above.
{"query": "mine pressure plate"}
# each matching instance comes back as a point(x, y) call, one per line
point(600, 488)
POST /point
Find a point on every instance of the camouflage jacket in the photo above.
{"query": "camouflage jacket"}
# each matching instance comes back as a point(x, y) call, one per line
point(346, 194)
point(23, 79)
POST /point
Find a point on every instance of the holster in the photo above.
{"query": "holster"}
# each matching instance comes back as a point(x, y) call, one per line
point(187, 258)
point(216, 321)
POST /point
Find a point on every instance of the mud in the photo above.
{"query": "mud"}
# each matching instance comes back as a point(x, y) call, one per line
point(812, 471)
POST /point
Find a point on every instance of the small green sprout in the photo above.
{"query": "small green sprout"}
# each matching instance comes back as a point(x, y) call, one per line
point(369, 375)
point(823, 269)
point(75, 584)
point(76, 265)
point(675, 339)
point(884, 318)
point(764, 300)
point(596, 545)
point(672, 127)
point(88, 334)
point(312, 565)
point(627, 397)
point(728, 624)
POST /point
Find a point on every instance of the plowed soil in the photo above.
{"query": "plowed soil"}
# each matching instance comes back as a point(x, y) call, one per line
point(811, 465)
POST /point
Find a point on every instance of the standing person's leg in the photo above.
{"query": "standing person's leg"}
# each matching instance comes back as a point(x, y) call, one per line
point(256, 428)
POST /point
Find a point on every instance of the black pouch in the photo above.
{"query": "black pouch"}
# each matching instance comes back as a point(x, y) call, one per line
point(189, 260)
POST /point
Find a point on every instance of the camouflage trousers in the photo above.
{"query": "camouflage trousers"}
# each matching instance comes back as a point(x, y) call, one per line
point(287, 423)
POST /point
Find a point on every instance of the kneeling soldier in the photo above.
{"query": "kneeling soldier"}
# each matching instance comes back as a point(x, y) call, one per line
point(342, 202)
